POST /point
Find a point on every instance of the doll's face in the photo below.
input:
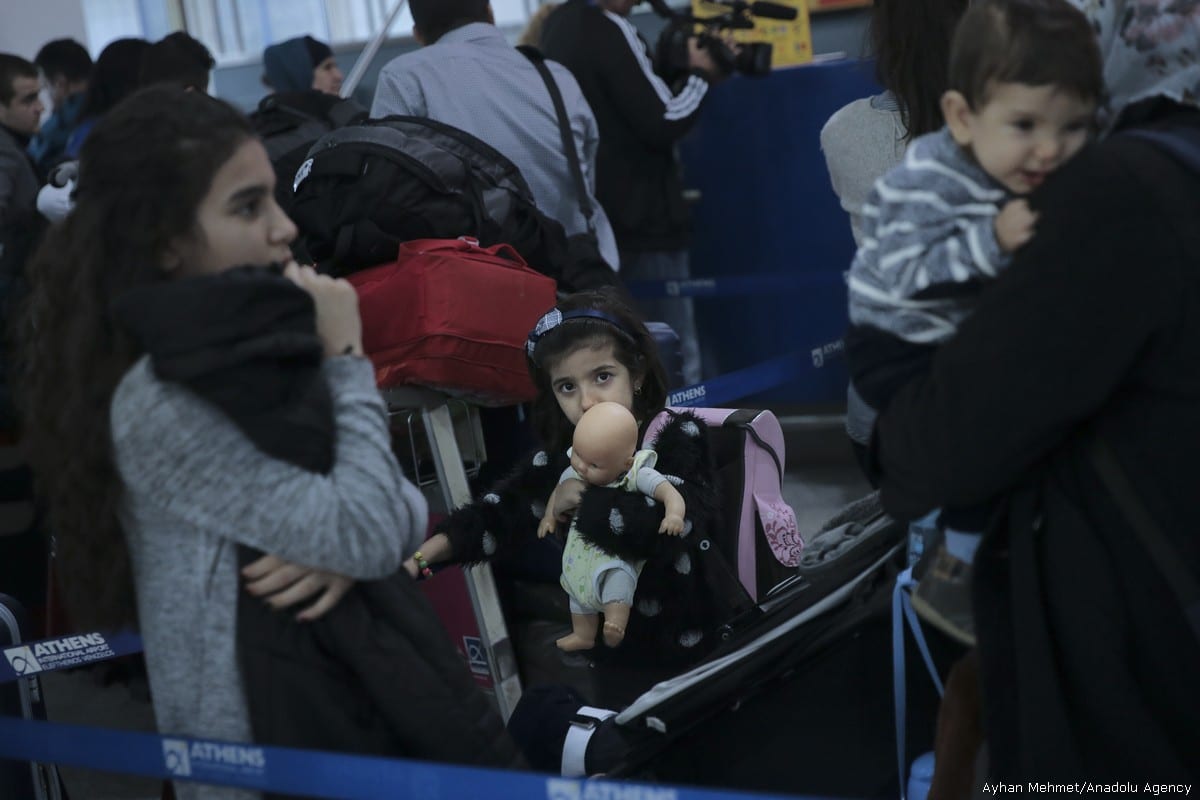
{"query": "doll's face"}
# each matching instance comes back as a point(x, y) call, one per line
point(600, 466)
point(604, 443)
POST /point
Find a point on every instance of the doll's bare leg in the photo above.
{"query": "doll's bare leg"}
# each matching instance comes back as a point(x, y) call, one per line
point(582, 635)
point(616, 617)
point(616, 593)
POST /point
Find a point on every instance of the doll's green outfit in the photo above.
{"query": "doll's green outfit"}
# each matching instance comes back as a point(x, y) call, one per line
point(593, 577)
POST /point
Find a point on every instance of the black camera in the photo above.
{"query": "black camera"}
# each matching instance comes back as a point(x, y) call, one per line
point(753, 58)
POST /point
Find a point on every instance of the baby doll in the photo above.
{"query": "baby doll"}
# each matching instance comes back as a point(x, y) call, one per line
point(604, 453)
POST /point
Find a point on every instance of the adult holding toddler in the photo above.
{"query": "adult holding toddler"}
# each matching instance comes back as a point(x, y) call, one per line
point(1025, 81)
point(1068, 402)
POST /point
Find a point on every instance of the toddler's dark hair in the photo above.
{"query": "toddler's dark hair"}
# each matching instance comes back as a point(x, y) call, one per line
point(1034, 42)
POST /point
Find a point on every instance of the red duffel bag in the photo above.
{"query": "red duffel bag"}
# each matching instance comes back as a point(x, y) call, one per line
point(453, 316)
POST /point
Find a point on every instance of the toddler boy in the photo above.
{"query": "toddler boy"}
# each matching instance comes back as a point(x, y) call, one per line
point(1025, 80)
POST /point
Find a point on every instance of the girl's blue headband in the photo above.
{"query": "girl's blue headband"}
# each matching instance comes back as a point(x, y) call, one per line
point(553, 318)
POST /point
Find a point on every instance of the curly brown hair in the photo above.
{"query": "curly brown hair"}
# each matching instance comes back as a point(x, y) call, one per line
point(145, 168)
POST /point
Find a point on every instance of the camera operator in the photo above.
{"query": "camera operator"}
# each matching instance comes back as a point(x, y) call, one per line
point(640, 118)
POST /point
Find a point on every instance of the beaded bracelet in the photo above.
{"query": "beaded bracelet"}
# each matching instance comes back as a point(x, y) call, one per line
point(422, 565)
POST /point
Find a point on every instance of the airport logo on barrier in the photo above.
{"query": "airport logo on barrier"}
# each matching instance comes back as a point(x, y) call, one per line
point(823, 353)
point(559, 789)
point(199, 759)
point(22, 660)
point(52, 654)
point(477, 657)
point(175, 754)
point(689, 394)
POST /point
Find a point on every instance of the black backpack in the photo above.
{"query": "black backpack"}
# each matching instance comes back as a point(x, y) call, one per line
point(289, 122)
point(366, 188)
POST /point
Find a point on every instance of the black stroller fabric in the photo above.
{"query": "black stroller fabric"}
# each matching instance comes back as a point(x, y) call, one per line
point(798, 698)
point(366, 188)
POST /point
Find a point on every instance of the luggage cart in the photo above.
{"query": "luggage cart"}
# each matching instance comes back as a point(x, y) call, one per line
point(451, 426)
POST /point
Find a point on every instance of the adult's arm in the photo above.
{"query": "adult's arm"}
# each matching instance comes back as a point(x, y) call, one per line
point(359, 520)
point(657, 115)
point(1048, 346)
point(505, 516)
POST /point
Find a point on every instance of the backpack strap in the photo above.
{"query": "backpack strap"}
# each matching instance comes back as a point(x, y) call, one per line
point(288, 114)
point(346, 112)
point(564, 128)
point(1162, 552)
point(780, 527)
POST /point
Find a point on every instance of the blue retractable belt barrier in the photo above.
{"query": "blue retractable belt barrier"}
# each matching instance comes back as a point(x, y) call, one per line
point(742, 383)
point(303, 772)
point(735, 285)
point(765, 375)
point(762, 377)
point(63, 652)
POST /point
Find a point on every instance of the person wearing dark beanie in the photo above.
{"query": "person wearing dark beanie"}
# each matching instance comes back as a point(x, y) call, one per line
point(301, 63)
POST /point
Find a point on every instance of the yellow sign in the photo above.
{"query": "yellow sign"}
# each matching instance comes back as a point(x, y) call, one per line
point(791, 40)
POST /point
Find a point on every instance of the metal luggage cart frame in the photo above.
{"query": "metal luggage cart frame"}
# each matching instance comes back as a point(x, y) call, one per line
point(444, 433)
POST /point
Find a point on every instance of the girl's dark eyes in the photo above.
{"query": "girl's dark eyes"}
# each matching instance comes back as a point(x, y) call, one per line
point(1023, 125)
point(249, 209)
point(601, 377)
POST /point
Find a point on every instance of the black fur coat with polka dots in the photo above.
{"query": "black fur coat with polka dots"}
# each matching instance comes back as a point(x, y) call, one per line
point(675, 609)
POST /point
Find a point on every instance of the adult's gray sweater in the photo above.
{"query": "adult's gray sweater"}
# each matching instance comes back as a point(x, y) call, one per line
point(861, 142)
point(195, 487)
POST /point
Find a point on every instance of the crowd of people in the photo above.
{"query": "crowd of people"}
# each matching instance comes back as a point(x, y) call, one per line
point(1024, 329)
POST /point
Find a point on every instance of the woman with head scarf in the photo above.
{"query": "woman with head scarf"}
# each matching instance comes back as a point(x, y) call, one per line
point(1071, 399)
point(299, 64)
